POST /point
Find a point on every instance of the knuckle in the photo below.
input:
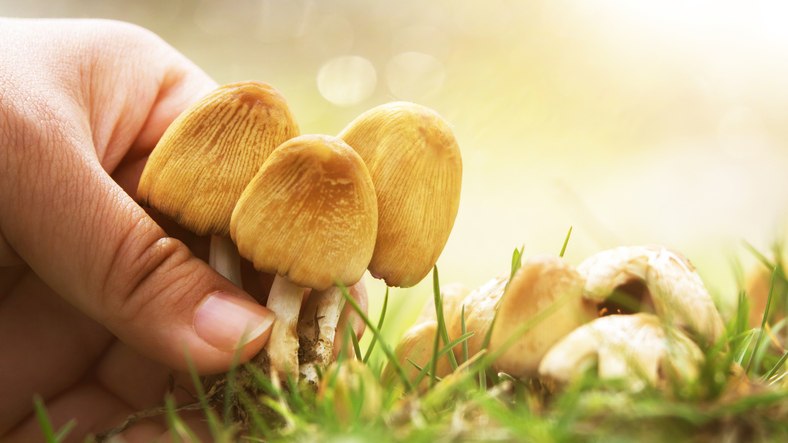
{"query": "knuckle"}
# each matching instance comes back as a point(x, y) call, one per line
point(149, 272)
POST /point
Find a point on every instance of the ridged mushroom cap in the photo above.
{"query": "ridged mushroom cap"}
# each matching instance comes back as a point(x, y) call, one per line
point(541, 281)
point(309, 214)
point(416, 166)
point(637, 348)
point(208, 155)
point(675, 289)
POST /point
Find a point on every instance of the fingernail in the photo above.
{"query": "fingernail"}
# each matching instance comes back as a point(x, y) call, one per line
point(224, 320)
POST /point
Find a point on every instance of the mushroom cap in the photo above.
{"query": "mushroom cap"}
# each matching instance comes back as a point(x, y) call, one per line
point(416, 166)
point(638, 348)
point(417, 345)
point(541, 281)
point(452, 294)
point(480, 306)
point(309, 214)
point(208, 155)
point(676, 290)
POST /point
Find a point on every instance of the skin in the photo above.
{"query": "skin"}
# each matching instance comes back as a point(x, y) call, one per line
point(98, 298)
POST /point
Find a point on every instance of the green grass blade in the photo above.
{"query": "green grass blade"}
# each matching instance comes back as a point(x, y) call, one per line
point(435, 344)
point(386, 349)
point(463, 331)
point(432, 375)
point(438, 300)
point(210, 416)
point(761, 258)
point(65, 430)
point(380, 325)
point(461, 339)
point(43, 419)
point(763, 322)
point(776, 367)
point(354, 339)
point(563, 249)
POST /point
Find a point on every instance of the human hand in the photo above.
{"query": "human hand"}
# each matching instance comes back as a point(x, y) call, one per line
point(97, 301)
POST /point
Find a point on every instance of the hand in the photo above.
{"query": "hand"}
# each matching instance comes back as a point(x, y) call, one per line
point(97, 301)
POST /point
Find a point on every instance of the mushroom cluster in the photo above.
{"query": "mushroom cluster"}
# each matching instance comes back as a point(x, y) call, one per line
point(312, 209)
point(635, 313)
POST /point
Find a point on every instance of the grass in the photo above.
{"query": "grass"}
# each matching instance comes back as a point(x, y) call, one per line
point(739, 394)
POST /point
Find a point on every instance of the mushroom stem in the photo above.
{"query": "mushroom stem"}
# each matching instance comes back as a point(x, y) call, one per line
point(224, 258)
point(285, 300)
point(329, 306)
point(319, 323)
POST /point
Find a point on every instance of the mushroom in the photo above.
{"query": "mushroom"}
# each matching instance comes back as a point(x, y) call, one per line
point(415, 164)
point(452, 295)
point(638, 348)
point(658, 277)
point(310, 216)
point(208, 155)
point(541, 281)
point(480, 306)
point(354, 391)
point(417, 343)
point(416, 346)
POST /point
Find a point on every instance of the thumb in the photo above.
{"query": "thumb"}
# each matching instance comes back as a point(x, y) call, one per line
point(90, 242)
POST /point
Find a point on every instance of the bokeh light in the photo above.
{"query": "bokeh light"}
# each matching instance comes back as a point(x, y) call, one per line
point(347, 80)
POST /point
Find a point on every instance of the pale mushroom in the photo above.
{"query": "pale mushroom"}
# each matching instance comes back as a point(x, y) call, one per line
point(208, 155)
point(480, 306)
point(310, 216)
point(452, 295)
point(415, 164)
point(543, 282)
point(638, 348)
point(416, 346)
point(658, 277)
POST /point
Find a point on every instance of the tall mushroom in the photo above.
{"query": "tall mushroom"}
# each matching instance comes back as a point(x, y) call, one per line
point(309, 215)
point(415, 164)
point(208, 155)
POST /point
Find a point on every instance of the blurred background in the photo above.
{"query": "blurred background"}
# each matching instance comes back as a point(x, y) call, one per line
point(633, 121)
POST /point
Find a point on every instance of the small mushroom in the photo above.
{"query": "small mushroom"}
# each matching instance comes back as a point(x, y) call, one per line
point(658, 277)
point(452, 295)
point(354, 391)
point(638, 348)
point(415, 164)
point(480, 306)
point(542, 281)
point(208, 155)
point(416, 346)
point(310, 216)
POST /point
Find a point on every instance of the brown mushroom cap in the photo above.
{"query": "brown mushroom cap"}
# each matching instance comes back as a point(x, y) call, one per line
point(452, 295)
point(416, 166)
point(541, 281)
point(309, 214)
point(211, 151)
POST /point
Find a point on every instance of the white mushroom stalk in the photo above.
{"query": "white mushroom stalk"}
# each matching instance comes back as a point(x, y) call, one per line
point(672, 286)
point(637, 348)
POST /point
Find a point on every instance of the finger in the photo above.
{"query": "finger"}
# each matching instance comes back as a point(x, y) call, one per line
point(47, 345)
point(91, 407)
